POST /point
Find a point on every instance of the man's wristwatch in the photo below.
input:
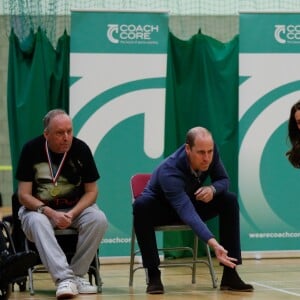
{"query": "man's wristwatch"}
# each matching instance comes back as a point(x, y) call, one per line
point(40, 209)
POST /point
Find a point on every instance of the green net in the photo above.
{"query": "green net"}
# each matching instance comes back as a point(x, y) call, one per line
point(216, 18)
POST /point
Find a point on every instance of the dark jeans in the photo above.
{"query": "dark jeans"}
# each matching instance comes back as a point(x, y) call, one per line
point(150, 212)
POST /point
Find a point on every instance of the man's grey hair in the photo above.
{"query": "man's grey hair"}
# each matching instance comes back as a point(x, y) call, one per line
point(52, 114)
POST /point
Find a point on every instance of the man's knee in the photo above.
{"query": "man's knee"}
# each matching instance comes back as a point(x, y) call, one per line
point(98, 219)
point(102, 220)
point(231, 200)
point(139, 207)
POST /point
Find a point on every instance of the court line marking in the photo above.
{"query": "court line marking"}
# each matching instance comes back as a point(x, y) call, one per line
point(276, 289)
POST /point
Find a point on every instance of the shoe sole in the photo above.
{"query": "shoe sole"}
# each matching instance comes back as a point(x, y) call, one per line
point(228, 288)
point(155, 292)
point(65, 296)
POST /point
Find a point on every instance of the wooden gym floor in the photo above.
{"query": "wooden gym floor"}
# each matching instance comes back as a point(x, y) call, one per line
point(272, 279)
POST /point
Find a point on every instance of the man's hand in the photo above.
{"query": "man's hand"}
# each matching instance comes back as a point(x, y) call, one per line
point(61, 220)
point(205, 194)
point(222, 257)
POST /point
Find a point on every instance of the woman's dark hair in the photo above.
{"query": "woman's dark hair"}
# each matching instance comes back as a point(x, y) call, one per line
point(293, 154)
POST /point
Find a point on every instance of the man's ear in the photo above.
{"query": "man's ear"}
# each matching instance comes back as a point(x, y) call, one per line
point(187, 148)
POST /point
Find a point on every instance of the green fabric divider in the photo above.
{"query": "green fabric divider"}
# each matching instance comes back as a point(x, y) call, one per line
point(38, 80)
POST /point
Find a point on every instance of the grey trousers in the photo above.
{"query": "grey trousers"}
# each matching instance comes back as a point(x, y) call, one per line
point(91, 225)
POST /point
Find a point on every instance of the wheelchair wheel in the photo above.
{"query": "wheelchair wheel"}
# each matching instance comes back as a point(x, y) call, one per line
point(5, 292)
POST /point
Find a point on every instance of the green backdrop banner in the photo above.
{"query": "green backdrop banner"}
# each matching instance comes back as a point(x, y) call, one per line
point(117, 101)
point(269, 189)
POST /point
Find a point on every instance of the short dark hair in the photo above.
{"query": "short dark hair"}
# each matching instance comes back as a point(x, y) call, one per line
point(194, 132)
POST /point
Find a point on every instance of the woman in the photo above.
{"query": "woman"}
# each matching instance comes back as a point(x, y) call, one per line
point(294, 135)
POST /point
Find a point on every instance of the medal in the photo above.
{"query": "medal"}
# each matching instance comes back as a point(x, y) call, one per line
point(55, 190)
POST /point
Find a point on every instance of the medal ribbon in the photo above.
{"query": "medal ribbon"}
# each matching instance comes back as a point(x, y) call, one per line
point(54, 177)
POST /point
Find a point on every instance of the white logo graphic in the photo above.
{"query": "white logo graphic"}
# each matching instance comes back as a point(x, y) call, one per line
point(149, 102)
point(278, 30)
point(131, 33)
point(111, 29)
point(287, 34)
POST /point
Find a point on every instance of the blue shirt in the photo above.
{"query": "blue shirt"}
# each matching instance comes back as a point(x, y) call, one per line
point(173, 181)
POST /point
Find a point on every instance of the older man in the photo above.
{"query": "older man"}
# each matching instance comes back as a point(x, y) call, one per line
point(57, 187)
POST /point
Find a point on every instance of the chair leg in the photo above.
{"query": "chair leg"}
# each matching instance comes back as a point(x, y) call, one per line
point(211, 268)
point(30, 273)
point(132, 256)
point(94, 270)
point(98, 279)
point(30, 282)
point(195, 256)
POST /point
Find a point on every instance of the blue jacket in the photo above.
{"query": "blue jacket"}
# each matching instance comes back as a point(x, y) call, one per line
point(174, 182)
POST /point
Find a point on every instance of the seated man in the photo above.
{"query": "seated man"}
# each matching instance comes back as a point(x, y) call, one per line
point(176, 193)
point(57, 188)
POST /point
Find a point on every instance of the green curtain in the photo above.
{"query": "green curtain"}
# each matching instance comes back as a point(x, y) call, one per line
point(37, 82)
point(202, 90)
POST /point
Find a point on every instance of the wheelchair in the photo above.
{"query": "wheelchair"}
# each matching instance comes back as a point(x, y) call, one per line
point(13, 265)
